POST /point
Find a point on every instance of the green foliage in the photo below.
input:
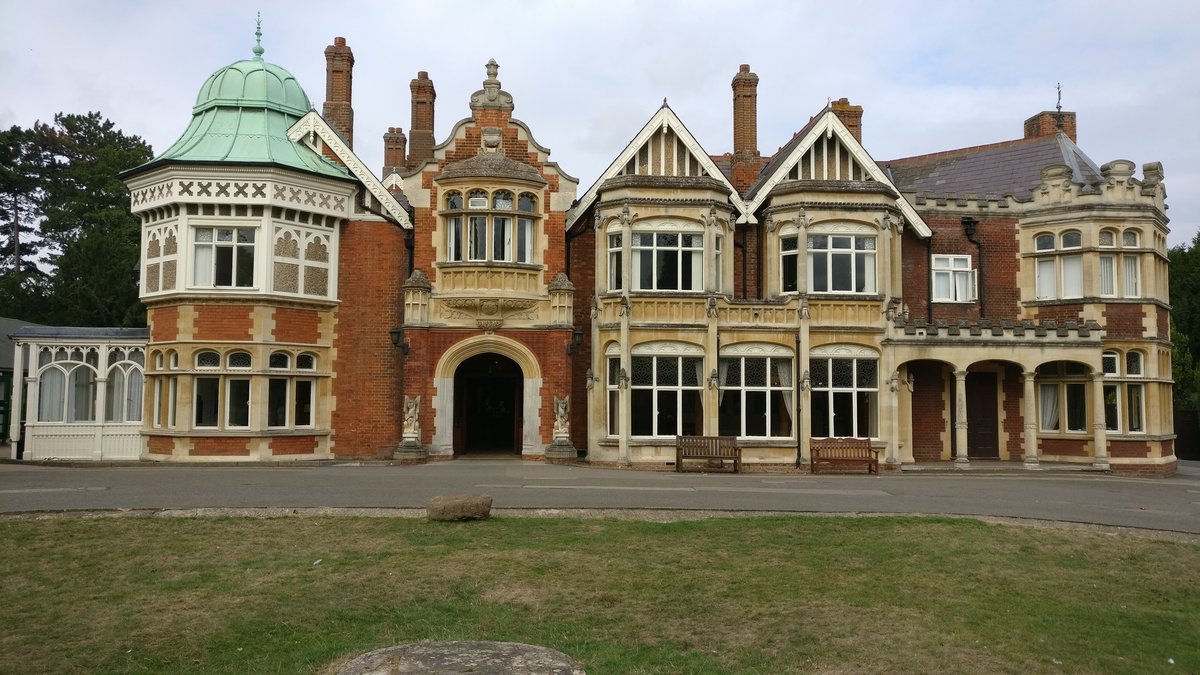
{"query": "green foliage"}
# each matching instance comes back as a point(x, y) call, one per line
point(1185, 322)
point(64, 179)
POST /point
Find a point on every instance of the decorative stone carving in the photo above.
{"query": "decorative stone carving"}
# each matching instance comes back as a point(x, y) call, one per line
point(626, 217)
point(770, 223)
point(712, 308)
point(412, 424)
point(561, 423)
point(492, 96)
point(595, 306)
point(489, 326)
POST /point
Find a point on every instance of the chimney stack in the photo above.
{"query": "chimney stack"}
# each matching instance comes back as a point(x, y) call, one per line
point(1048, 123)
point(850, 115)
point(339, 73)
point(394, 147)
point(421, 128)
point(745, 164)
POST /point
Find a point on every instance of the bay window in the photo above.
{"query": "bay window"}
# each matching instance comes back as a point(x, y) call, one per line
point(223, 256)
point(668, 261)
point(844, 400)
point(1062, 396)
point(1124, 395)
point(755, 396)
point(841, 263)
point(666, 395)
point(498, 235)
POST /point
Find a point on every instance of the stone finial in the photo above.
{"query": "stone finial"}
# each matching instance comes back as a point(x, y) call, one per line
point(561, 284)
point(418, 280)
point(491, 96)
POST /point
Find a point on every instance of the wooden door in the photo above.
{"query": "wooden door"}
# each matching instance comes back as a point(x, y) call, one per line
point(983, 428)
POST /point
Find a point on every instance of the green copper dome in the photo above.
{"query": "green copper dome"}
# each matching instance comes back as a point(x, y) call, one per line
point(242, 116)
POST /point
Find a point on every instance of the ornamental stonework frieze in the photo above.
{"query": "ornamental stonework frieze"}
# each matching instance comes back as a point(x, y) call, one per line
point(490, 311)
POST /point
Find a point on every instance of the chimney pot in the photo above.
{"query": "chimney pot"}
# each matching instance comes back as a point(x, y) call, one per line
point(339, 83)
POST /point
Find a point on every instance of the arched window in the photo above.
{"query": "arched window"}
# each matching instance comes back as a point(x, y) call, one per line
point(454, 201)
point(123, 393)
point(844, 397)
point(755, 391)
point(279, 361)
point(51, 393)
point(208, 359)
point(1108, 238)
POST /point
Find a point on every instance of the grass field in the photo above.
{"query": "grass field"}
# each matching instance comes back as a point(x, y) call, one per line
point(726, 595)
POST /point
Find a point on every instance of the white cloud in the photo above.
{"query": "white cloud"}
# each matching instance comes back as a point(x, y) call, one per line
point(586, 75)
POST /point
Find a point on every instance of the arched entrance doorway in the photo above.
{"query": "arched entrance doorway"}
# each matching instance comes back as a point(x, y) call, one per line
point(488, 400)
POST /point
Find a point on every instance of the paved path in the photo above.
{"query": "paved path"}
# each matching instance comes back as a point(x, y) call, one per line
point(1163, 504)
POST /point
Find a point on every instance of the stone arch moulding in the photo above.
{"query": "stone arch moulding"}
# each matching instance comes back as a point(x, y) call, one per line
point(488, 344)
point(443, 399)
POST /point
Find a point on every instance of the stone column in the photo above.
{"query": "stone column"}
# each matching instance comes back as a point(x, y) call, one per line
point(14, 420)
point(960, 417)
point(1031, 421)
point(1099, 429)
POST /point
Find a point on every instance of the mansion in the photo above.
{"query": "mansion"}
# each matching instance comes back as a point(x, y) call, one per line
point(1003, 302)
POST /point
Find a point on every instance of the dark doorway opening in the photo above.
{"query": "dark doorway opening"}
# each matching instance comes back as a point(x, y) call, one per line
point(983, 425)
point(488, 398)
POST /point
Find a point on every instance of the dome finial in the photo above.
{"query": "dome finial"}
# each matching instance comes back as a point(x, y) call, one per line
point(258, 48)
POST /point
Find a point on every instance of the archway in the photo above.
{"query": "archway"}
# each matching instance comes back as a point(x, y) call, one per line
point(488, 396)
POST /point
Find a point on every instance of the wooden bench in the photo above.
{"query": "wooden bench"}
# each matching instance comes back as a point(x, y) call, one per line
point(843, 452)
point(708, 448)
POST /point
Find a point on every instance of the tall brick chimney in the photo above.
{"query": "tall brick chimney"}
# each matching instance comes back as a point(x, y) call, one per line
point(1048, 123)
point(850, 115)
point(421, 128)
point(394, 148)
point(745, 164)
point(339, 73)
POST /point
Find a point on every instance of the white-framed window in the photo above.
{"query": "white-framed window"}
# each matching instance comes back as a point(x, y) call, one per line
point(223, 256)
point(1058, 275)
point(612, 384)
point(844, 396)
point(1062, 397)
point(499, 234)
point(668, 261)
point(614, 261)
point(1124, 394)
point(222, 400)
point(666, 391)
point(718, 270)
point(841, 263)
point(67, 384)
point(123, 390)
point(953, 279)
point(1120, 274)
point(290, 399)
point(789, 264)
point(755, 394)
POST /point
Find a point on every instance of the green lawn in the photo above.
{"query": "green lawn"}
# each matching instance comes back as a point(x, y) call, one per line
point(727, 595)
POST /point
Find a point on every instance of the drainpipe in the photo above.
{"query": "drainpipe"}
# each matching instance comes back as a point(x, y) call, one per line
point(796, 398)
point(968, 224)
point(929, 279)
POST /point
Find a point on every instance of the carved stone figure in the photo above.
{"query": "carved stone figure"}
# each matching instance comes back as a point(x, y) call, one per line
point(412, 411)
point(561, 424)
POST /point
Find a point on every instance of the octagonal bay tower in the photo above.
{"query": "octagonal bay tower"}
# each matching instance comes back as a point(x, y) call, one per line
point(257, 225)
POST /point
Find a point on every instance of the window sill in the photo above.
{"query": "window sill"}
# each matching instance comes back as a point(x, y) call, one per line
point(460, 264)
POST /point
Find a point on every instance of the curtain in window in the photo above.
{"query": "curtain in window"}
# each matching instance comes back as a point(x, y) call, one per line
point(114, 395)
point(1072, 271)
point(722, 377)
point(783, 370)
point(133, 395)
point(81, 395)
point(1135, 407)
point(50, 395)
point(203, 268)
point(1045, 270)
point(1049, 406)
point(963, 286)
point(1132, 276)
point(1108, 285)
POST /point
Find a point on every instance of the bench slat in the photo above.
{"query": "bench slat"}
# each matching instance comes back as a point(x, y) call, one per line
point(707, 447)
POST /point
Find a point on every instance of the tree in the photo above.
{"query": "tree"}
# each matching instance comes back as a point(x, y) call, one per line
point(66, 179)
point(1185, 323)
point(19, 199)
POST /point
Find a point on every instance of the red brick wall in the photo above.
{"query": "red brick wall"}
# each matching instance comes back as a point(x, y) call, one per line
point(297, 325)
point(160, 445)
point(998, 290)
point(367, 384)
point(164, 324)
point(1163, 322)
point(1060, 313)
point(293, 445)
point(1122, 321)
point(223, 322)
point(583, 275)
point(928, 410)
point(1014, 419)
point(1128, 449)
point(213, 446)
point(1066, 447)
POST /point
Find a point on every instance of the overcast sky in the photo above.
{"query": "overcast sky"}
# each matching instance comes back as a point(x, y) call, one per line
point(585, 76)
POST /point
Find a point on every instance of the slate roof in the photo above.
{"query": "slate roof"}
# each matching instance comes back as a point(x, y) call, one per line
point(999, 169)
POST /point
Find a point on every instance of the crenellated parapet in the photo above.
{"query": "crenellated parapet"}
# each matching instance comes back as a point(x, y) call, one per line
point(984, 330)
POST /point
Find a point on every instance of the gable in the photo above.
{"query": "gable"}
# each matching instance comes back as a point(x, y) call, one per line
point(313, 125)
point(826, 151)
point(664, 147)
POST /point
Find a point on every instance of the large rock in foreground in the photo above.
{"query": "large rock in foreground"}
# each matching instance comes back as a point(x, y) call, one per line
point(459, 507)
